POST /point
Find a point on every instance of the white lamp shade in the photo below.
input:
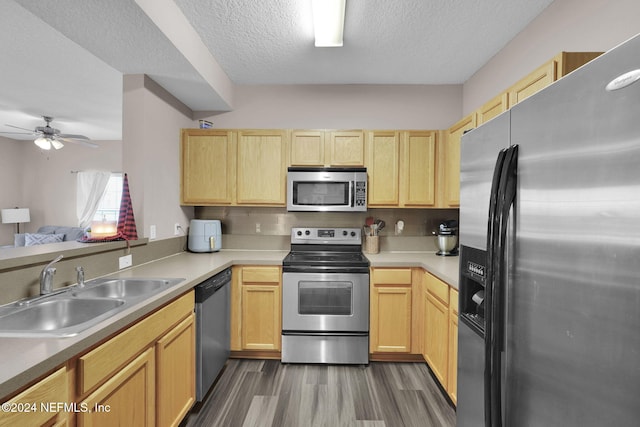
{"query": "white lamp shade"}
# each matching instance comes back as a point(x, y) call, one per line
point(43, 143)
point(57, 144)
point(328, 22)
point(17, 215)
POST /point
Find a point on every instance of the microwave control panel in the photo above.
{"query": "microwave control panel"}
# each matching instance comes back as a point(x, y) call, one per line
point(361, 193)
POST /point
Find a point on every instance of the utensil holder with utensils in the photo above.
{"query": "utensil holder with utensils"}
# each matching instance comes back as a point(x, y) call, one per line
point(371, 244)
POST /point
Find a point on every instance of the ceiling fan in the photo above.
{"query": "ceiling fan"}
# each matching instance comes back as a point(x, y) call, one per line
point(47, 137)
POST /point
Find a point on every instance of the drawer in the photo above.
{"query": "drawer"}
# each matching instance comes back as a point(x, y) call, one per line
point(49, 390)
point(437, 288)
point(391, 276)
point(261, 274)
point(103, 361)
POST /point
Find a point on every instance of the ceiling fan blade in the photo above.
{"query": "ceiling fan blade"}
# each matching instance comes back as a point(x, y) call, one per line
point(18, 127)
point(19, 133)
point(86, 143)
point(68, 135)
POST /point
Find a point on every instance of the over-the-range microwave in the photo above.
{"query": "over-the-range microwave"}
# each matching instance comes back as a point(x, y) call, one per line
point(327, 189)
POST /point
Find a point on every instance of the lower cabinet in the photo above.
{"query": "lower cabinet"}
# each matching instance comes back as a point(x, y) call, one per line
point(128, 398)
point(436, 330)
point(390, 313)
point(452, 380)
point(53, 388)
point(145, 375)
point(256, 301)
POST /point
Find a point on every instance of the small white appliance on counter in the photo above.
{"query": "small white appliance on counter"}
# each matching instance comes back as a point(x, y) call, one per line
point(205, 235)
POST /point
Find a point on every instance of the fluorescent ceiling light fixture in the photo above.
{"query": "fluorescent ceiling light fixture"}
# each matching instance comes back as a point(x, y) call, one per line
point(328, 22)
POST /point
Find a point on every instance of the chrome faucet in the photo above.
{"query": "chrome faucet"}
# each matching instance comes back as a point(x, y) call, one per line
point(80, 276)
point(46, 277)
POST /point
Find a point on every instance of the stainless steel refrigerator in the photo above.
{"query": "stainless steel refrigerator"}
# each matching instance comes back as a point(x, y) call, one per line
point(549, 331)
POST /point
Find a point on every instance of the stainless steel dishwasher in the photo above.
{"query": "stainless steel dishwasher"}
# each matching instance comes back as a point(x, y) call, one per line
point(213, 334)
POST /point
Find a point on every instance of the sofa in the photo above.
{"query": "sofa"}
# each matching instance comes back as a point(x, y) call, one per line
point(48, 234)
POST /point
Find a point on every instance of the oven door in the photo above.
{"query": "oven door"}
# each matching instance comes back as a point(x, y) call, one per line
point(325, 302)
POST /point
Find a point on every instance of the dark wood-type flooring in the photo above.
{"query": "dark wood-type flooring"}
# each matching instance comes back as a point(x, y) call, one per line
point(268, 393)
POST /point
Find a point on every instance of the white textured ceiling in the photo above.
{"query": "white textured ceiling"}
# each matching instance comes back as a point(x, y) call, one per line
point(66, 58)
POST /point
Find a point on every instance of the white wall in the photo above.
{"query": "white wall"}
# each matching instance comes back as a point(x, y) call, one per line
point(566, 25)
point(42, 180)
point(342, 107)
point(151, 155)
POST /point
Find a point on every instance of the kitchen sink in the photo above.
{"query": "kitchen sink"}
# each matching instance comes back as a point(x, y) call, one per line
point(68, 312)
point(123, 288)
point(56, 316)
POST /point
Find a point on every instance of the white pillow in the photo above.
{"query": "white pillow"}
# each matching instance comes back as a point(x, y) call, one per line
point(41, 239)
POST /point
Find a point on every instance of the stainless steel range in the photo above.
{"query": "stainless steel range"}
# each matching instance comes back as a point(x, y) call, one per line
point(325, 297)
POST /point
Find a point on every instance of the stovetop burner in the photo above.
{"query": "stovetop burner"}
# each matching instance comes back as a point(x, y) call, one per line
point(326, 249)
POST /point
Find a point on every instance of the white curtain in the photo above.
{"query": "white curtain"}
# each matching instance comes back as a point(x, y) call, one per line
point(91, 187)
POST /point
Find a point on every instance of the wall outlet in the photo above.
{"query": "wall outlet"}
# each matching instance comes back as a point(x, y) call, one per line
point(152, 232)
point(258, 227)
point(176, 229)
point(125, 261)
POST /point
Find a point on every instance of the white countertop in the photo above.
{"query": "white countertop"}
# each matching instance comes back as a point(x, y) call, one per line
point(26, 359)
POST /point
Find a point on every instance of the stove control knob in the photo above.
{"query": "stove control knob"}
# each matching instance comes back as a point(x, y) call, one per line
point(344, 232)
point(353, 234)
point(307, 232)
point(299, 233)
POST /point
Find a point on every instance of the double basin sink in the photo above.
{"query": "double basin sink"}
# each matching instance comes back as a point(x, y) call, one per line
point(76, 308)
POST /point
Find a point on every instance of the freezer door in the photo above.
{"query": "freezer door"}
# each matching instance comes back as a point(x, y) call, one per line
point(478, 154)
point(574, 345)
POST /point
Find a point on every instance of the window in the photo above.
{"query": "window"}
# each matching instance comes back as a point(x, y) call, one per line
point(109, 207)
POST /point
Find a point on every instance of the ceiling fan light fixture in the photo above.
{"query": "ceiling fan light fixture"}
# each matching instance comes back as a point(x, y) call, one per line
point(328, 22)
point(57, 144)
point(43, 143)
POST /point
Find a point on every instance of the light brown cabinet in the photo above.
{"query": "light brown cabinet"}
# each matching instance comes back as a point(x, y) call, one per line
point(256, 308)
point(176, 376)
point(51, 389)
point(452, 159)
point(383, 163)
point(208, 167)
point(140, 375)
point(327, 148)
point(492, 108)
point(452, 378)
point(436, 329)
point(127, 398)
point(391, 310)
point(262, 167)
point(417, 168)
point(554, 69)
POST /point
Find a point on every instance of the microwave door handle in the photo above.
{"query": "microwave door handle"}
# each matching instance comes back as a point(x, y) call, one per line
point(352, 193)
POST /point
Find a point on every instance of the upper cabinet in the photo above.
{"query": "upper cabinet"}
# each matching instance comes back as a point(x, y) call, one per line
point(327, 148)
point(402, 168)
point(556, 68)
point(452, 159)
point(208, 167)
point(234, 167)
point(492, 108)
point(262, 167)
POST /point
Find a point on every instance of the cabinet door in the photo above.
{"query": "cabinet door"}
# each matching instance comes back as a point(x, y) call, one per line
point(452, 159)
point(307, 148)
point(175, 367)
point(452, 380)
point(540, 78)
point(262, 160)
point(208, 167)
point(53, 388)
point(382, 167)
point(418, 168)
point(390, 313)
point(127, 399)
point(261, 301)
point(494, 107)
point(436, 338)
point(346, 148)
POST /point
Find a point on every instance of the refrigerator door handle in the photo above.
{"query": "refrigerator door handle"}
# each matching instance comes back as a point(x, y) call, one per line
point(488, 301)
point(506, 198)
